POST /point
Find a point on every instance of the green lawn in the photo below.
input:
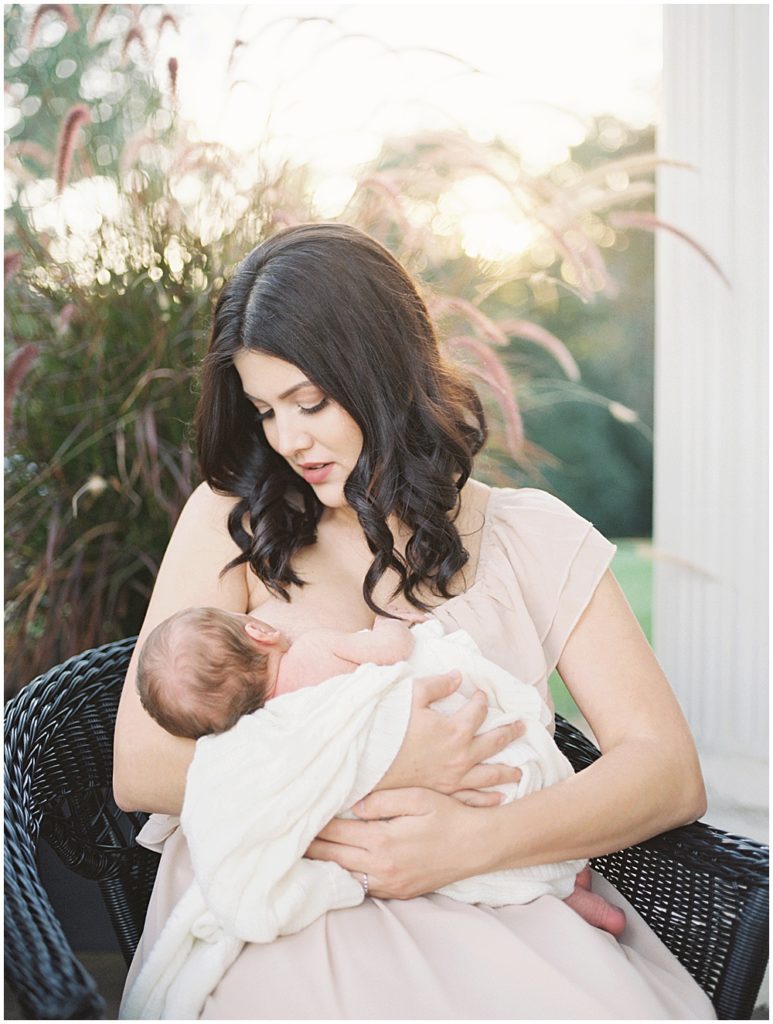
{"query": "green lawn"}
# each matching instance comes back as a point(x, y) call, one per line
point(633, 570)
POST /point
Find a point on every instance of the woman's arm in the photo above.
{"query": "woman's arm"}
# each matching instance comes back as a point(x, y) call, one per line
point(648, 779)
point(150, 765)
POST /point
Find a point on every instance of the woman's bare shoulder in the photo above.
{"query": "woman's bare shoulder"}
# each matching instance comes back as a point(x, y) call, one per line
point(201, 545)
point(208, 506)
point(204, 523)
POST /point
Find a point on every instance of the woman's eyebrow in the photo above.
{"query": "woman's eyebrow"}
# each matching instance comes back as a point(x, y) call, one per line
point(285, 394)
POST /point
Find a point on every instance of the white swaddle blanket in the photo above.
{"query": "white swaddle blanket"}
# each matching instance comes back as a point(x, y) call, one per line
point(257, 795)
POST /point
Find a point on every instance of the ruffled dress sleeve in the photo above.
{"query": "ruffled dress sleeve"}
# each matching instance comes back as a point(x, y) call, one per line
point(539, 566)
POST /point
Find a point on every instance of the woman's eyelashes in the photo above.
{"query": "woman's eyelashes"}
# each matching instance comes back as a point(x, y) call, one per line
point(306, 410)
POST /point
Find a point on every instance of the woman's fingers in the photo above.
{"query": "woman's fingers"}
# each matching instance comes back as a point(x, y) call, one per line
point(482, 776)
point(350, 857)
point(408, 854)
point(344, 831)
point(432, 688)
point(477, 798)
point(439, 750)
point(490, 743)
point(360, 846)
point(391, 803)
point(472, 716)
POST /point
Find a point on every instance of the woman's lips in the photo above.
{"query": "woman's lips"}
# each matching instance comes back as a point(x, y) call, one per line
point(316, 472)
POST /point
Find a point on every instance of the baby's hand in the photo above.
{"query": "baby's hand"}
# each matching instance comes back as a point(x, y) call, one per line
point(389, 641)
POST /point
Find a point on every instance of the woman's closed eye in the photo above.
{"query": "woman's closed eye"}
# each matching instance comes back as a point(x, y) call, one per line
point(307, 410)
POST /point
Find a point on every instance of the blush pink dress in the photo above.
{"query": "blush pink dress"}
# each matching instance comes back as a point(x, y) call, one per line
point(431, 957)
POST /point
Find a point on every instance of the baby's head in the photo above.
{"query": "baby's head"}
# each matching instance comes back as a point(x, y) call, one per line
point(201, 669)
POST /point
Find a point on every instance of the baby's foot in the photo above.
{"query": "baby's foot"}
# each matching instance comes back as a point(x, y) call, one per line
point(594, 908)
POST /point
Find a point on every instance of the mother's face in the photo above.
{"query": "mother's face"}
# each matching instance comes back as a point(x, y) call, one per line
point(318, 438)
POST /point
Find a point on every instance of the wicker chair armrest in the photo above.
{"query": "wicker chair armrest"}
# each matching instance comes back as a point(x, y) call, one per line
point(704, 892)
point(735, 858)
point(40, 964)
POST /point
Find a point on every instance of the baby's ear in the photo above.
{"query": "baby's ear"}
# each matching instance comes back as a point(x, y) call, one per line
point(262, 633)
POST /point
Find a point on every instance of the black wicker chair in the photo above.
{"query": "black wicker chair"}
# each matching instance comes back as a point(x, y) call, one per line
point(704, 892)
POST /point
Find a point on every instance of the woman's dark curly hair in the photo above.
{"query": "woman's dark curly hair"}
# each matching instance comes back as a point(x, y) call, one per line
point(335, 303)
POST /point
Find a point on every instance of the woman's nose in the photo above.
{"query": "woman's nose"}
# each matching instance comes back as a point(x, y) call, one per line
point(291, 437)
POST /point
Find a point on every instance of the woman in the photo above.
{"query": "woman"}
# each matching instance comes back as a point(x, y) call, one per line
point(337, 448)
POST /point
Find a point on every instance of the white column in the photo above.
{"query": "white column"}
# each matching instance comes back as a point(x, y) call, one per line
point(710, 615)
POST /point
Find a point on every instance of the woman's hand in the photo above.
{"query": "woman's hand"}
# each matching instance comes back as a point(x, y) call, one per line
point(442, 752)
point(409, 842)
point(402, 844)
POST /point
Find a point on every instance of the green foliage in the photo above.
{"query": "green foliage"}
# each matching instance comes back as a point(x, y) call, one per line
point(602, 449)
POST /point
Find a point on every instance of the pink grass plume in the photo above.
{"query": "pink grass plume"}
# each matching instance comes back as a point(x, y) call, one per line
point(494, 374)
point(74, 120)
point(102, 10)
point(650, 222)
point(543, 338)
point(173, 68)
point(64, 11)
point(11, 264)
point(131, 149)
point(167, 19)
point(31, 150)
point(65, 318)
point(17, 369)
point(134, 35)
point(382, 186)
point(441, 305)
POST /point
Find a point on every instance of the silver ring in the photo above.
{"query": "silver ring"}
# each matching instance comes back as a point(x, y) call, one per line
point(364, 884)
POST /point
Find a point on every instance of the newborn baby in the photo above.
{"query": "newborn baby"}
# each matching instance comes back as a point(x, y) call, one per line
point(201, 669)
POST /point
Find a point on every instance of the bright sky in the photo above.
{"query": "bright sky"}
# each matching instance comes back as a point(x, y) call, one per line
point(332, 90)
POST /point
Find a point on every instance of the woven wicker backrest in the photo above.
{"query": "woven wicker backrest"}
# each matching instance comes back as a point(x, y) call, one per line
point(58, 769)
point(703, 892)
